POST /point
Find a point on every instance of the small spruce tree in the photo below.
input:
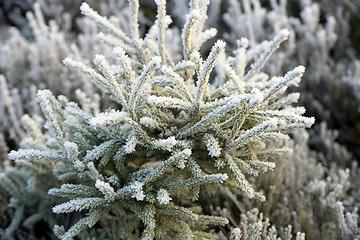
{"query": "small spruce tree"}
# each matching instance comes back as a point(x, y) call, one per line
point(178, 126)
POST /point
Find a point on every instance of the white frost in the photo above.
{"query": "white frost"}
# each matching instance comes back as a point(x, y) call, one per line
point(163, 196)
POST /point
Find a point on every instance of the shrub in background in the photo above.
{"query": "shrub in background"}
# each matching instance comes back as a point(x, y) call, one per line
point(320, 41)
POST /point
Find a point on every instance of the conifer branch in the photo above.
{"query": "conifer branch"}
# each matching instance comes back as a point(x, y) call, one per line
point(103, 22)
point(139, 83)
point(275, 43)
point(202, 83)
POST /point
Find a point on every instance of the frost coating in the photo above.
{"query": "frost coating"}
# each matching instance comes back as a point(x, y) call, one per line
point(163, 196)
point(108, 118)
point(212, 146)
point(106, 189)
point(137, 191)
point(166, 143)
